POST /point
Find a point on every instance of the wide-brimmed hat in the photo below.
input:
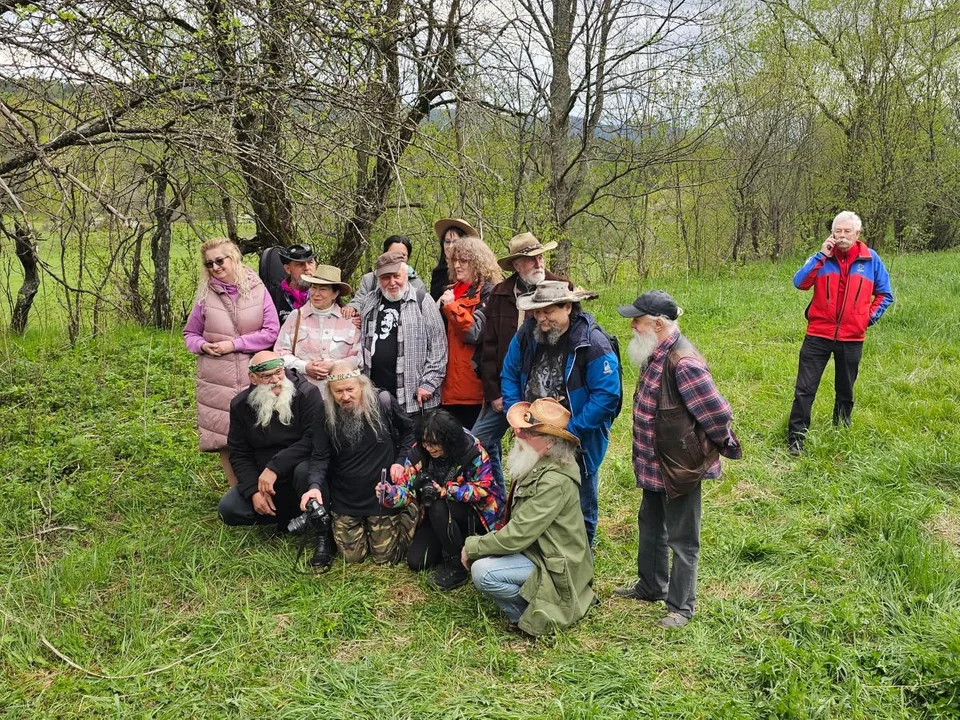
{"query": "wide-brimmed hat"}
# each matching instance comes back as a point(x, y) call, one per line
point(328, 275)
point(441, 226)
point(552, 292)
point(523, 245)
point(652, 302)
point(296, 253)
point(545, 416)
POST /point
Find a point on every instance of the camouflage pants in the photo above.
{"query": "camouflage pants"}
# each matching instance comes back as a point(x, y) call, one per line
point(384, 537)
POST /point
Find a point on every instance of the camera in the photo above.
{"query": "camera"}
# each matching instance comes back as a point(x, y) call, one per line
point(427, 494)
point(315, 516)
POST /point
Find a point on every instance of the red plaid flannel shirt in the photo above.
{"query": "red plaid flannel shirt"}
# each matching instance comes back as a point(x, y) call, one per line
point(703, 400)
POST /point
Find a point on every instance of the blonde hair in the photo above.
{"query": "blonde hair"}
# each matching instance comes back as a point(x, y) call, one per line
point(480, 258)
point(245, 278)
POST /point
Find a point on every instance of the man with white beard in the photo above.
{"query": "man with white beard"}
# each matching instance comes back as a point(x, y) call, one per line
point(363, 436)
point(681, 426)
point(404, 340)
point(527, 259)
point(270, 441)
point(537, 566)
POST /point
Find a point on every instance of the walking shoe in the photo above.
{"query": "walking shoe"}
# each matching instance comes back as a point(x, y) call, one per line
point(795, 447)
point(674, 620)
point(451, 574)
point(514, 628)
point(323, 554)
point(632, 593)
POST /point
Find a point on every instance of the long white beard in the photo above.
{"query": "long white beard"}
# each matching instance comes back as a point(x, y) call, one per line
point(265, 403)
point(534, 277)
point(641, 347)
point(521, 460)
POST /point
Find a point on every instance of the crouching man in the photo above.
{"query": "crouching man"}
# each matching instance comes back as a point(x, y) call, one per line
point(538, 566)
point(363, 436)
point(270, 440)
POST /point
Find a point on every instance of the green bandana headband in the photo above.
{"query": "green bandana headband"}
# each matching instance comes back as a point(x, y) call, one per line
point(267, 366)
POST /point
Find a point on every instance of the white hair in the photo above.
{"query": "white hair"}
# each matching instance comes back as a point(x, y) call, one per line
point(265, 404)
point(850, 217)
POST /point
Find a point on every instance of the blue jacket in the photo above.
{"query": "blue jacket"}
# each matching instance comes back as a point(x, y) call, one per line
point(592, 379)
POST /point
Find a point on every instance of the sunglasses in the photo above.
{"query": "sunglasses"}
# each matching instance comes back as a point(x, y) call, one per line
point(208, 264)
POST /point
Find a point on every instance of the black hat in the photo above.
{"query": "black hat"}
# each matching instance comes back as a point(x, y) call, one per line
point(296, 253)
point(652, 302)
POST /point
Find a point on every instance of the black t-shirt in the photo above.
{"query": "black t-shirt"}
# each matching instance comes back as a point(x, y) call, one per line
point(547, 376)
point(383, 368)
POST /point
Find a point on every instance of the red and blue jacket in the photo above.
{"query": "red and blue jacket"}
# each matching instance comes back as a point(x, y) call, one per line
point(850, 293)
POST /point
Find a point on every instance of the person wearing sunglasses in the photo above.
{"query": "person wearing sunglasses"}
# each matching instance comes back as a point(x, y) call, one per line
point(233, 317)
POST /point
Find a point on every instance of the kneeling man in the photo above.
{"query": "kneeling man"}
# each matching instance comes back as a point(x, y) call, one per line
point(538, 566)
point(364, 436)
point(270, 439)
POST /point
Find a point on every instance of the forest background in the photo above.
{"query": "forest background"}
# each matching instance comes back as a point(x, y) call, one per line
point(700, 146)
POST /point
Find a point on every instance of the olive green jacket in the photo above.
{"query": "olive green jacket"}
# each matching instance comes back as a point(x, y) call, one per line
point(546, 525)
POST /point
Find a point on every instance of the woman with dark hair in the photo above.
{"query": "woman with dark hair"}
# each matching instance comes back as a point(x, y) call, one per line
point(316, 335)
point(448, 474)
point(448, 231)
point(368, 283)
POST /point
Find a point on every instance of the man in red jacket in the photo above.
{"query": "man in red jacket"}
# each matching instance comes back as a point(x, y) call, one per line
point(851, 290)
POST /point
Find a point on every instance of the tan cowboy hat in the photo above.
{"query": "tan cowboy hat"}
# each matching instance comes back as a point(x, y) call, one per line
point(552, 292)
point(523, 245)
point(328, 275)
point(545, 416)
point(441, 226)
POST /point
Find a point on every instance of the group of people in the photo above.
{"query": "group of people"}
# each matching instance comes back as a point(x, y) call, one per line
point(377, 423)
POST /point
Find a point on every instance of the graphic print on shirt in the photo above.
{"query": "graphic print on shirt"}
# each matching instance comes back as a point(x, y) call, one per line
point(546, 377)
point(389, 320)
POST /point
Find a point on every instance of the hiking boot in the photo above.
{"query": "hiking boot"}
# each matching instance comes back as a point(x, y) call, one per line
point(673, 620)
point(451, 574)
point(632, 593)
point(795, 447)
point(323, 554)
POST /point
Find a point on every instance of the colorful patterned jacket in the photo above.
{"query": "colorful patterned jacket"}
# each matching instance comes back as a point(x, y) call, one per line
point(473, 482)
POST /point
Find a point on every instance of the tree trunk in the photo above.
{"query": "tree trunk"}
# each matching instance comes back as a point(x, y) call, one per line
point(230, 218)
point(27, 255)
point(160, 251)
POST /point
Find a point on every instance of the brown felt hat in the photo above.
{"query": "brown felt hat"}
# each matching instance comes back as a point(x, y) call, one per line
point(441, 226)
point(545, 416)
point(523, 245)
point(552, 292)
point(388, 263)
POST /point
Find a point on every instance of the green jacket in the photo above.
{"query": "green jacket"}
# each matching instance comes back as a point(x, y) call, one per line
point(546, 525)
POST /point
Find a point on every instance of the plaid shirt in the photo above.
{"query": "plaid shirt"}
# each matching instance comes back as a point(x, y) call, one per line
point(703, 400)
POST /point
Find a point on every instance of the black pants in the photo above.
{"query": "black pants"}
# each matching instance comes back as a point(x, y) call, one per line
point(466, 415)
point(446, 524)
point(814, 354)
point(234, 509)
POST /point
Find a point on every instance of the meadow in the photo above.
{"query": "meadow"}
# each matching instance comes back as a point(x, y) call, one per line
point(829, 583)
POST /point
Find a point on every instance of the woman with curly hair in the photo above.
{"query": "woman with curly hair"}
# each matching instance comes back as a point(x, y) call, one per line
point(233, 317)
point(474, 272)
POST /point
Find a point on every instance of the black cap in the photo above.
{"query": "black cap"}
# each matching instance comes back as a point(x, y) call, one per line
point(652, 302)
point(296, 253)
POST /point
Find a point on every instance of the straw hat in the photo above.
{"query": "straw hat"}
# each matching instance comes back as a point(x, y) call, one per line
point(328, 275)
point(545, 416)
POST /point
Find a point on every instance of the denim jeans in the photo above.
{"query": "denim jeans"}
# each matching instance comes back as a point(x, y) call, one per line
point(589, 488)
point(501, 577)
point(489, 430)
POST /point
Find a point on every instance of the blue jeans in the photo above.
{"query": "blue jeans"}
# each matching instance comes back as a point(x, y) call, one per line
point(589, 488)
point(489, 430)
point(501, 579)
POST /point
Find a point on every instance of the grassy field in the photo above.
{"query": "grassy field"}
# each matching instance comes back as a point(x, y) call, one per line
point(830, 584)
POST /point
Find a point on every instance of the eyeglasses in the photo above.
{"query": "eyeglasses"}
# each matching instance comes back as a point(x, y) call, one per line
point(271, 376)
point(208, 264)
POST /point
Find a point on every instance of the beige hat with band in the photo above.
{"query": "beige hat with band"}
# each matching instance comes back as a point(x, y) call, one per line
point(328, 275)
point(545, 416)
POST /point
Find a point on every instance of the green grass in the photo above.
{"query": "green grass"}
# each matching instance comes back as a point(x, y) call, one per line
point(829, 584)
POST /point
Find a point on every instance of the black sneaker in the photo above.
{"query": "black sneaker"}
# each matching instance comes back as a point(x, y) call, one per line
point(323, 554)
point(631, 593)
point(451, 574)
point(795, 447)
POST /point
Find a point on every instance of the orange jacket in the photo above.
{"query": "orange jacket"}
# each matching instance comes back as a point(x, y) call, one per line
point(465, 318)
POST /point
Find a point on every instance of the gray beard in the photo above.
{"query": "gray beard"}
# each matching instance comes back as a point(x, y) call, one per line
point(534, 278)
point(265, 403)
point(552, 337)
point(349, 427)
point(298, 284)
point(521, 460)
point(641, 347)
point(392, 297)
